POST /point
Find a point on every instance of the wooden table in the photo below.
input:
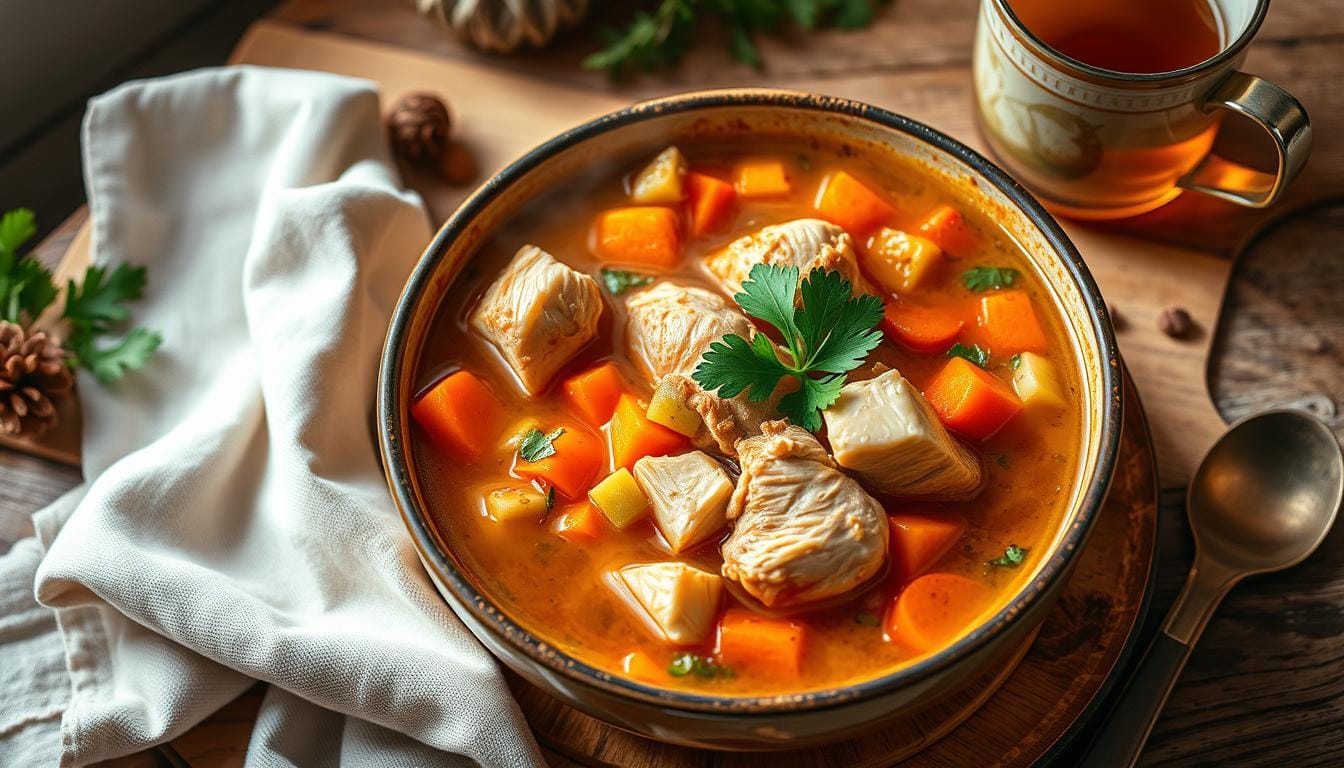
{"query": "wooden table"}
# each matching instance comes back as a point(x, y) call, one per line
point(1266, 684)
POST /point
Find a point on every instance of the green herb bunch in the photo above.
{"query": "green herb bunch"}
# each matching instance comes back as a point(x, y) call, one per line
point(94, 308)
point(661, 38)
point(828, 335)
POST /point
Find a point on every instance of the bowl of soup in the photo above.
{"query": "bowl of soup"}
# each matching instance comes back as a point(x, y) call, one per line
point(750, 419)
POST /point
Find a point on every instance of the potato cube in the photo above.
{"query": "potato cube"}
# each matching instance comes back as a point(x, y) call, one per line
point(619, 498)
point(901, 261)
point(1036, 382)
point(661, 180)
point(689, 495)
point(515, 503)
point(668, 409)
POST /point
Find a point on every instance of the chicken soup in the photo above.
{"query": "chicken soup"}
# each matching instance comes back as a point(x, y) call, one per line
point(749, 423)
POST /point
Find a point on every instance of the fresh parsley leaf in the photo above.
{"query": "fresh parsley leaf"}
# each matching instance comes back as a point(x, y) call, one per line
point(25, 291)
point(830, 333)
point(866, 619)
point(16, 228)
point(684, 664)
point(1012, 557)
point(98, 302)
point(537, 445)
point(109, 364)
point(985, 278)
point(975, 353)
point(619, 281)
point(1015, 361)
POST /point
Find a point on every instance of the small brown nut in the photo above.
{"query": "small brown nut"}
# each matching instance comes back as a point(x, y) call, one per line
point(1175, 322)
point(418, 127)
point(457, 166)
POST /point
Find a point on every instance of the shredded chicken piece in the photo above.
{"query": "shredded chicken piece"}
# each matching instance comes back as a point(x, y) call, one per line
point(676, 601)
point(802, 243)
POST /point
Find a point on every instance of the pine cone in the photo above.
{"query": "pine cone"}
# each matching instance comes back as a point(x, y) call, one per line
point(419, 126)
point(33, 377)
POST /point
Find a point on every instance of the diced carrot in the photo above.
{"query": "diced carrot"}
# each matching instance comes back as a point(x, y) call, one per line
point(711, 200)
point(640, 666)
point(772, 645)
point(945, 227)
point(971, 400)
point(762, 178)
point(922, 329)
point(593, 393)
point(579, 456)
point(460, 414)
point(844, 200)
point(633, 436)
point(917, 541)
point(1008, 324)
point(934, 609)
point(641, 235)
point(579, 523)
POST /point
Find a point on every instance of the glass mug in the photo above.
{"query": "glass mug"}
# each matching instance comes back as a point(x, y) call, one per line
point(1100, 143)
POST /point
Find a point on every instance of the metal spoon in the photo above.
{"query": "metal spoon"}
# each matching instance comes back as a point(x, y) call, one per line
point(1262, 500)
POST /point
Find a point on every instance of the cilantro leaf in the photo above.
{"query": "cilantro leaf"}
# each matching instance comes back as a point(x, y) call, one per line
point(684, 664)
point(619, 281)
point(109, 364)
point(733, 365)
point(838, 330)
point(98, 302)
point(767, 294)
point(804, 405)
point(1012, 557)
point(985, 278)
point(975, 353)
point(537, 445)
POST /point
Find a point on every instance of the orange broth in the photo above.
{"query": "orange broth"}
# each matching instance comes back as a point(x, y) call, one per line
point(557, 589)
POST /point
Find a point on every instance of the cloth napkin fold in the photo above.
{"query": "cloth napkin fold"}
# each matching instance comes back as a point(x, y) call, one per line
point(235, 524)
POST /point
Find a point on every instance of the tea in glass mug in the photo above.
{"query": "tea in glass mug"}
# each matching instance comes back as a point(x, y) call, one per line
point(1109, 108)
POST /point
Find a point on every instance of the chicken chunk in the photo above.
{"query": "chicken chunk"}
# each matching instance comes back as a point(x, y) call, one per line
point(538, 314)
point(803, 531)
point(689, 494)
point(802, 243)
point(676, 601)
point(883, 430)
point(669, 327)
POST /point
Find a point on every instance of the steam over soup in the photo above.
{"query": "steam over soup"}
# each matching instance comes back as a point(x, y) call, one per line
point(749, 423)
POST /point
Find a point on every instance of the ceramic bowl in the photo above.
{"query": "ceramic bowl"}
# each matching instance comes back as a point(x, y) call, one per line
point(779, 721)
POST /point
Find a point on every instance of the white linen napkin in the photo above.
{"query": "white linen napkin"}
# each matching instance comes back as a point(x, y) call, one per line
point(235, 524)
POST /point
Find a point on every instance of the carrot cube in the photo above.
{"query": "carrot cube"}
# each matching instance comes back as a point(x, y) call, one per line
point(646, 235)
point(846, 201)
point(948, 229)
point(633, 436)
point(711, 200)
point(773, 645)
point(579, 456)
point(593, 393)
point(640, 666)
point(1008, 324)
point(460, 414)
point(579, 523)
point(922, 329)
point(762, 178)
point(934, 609)
point(917, 541)
point(971, 400)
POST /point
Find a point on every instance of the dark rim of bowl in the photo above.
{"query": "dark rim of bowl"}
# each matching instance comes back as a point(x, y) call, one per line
point(484, 611)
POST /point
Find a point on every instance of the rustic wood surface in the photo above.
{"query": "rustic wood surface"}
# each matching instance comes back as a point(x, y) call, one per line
point(1266, 684)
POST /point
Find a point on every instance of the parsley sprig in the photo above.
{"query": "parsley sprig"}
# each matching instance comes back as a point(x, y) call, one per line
point(661, 38)
point(981, 279)
point(1012, 557)
point(829, 335)
point(94, 308)
point(974, 353)
point(684, 664)
point(537, 445)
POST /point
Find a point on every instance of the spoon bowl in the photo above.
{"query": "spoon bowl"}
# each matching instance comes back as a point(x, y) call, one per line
point(1267, 493)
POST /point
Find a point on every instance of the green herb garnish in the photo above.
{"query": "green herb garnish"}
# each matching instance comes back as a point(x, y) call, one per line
point(975, 353)
point(866, 619)
point(661, 38)
point(984, 278)
point(1012, 557)
point(550, 493)
point(830, 334)
point(684, 664)
point(619, 281)
point(537, 445)
point(1015, 361)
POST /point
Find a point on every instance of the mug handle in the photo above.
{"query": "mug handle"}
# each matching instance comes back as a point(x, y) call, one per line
point(1282, 117)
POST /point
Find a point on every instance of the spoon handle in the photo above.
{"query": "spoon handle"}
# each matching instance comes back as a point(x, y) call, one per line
point(1123, 737)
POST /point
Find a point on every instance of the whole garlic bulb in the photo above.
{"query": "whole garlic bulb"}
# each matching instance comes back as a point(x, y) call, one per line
point(504, 25)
